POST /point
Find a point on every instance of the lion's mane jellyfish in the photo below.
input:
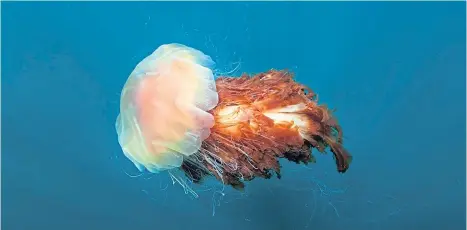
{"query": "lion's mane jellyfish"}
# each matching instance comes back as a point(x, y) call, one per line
point(174, 115)
point(163, 118)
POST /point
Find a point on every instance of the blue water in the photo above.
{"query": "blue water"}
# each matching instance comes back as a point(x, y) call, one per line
point(395, 72)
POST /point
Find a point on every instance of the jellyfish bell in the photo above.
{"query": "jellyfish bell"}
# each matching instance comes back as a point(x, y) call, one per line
point(163, 107)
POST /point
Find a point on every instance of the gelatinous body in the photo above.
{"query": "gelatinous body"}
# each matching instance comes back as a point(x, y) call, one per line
point(174, 115)
point(163, 106)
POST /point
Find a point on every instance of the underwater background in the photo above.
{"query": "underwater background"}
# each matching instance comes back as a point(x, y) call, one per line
point(395, 72)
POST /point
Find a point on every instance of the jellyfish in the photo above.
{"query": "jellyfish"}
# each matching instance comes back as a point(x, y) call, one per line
point(175, 116)
point(163, 108)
